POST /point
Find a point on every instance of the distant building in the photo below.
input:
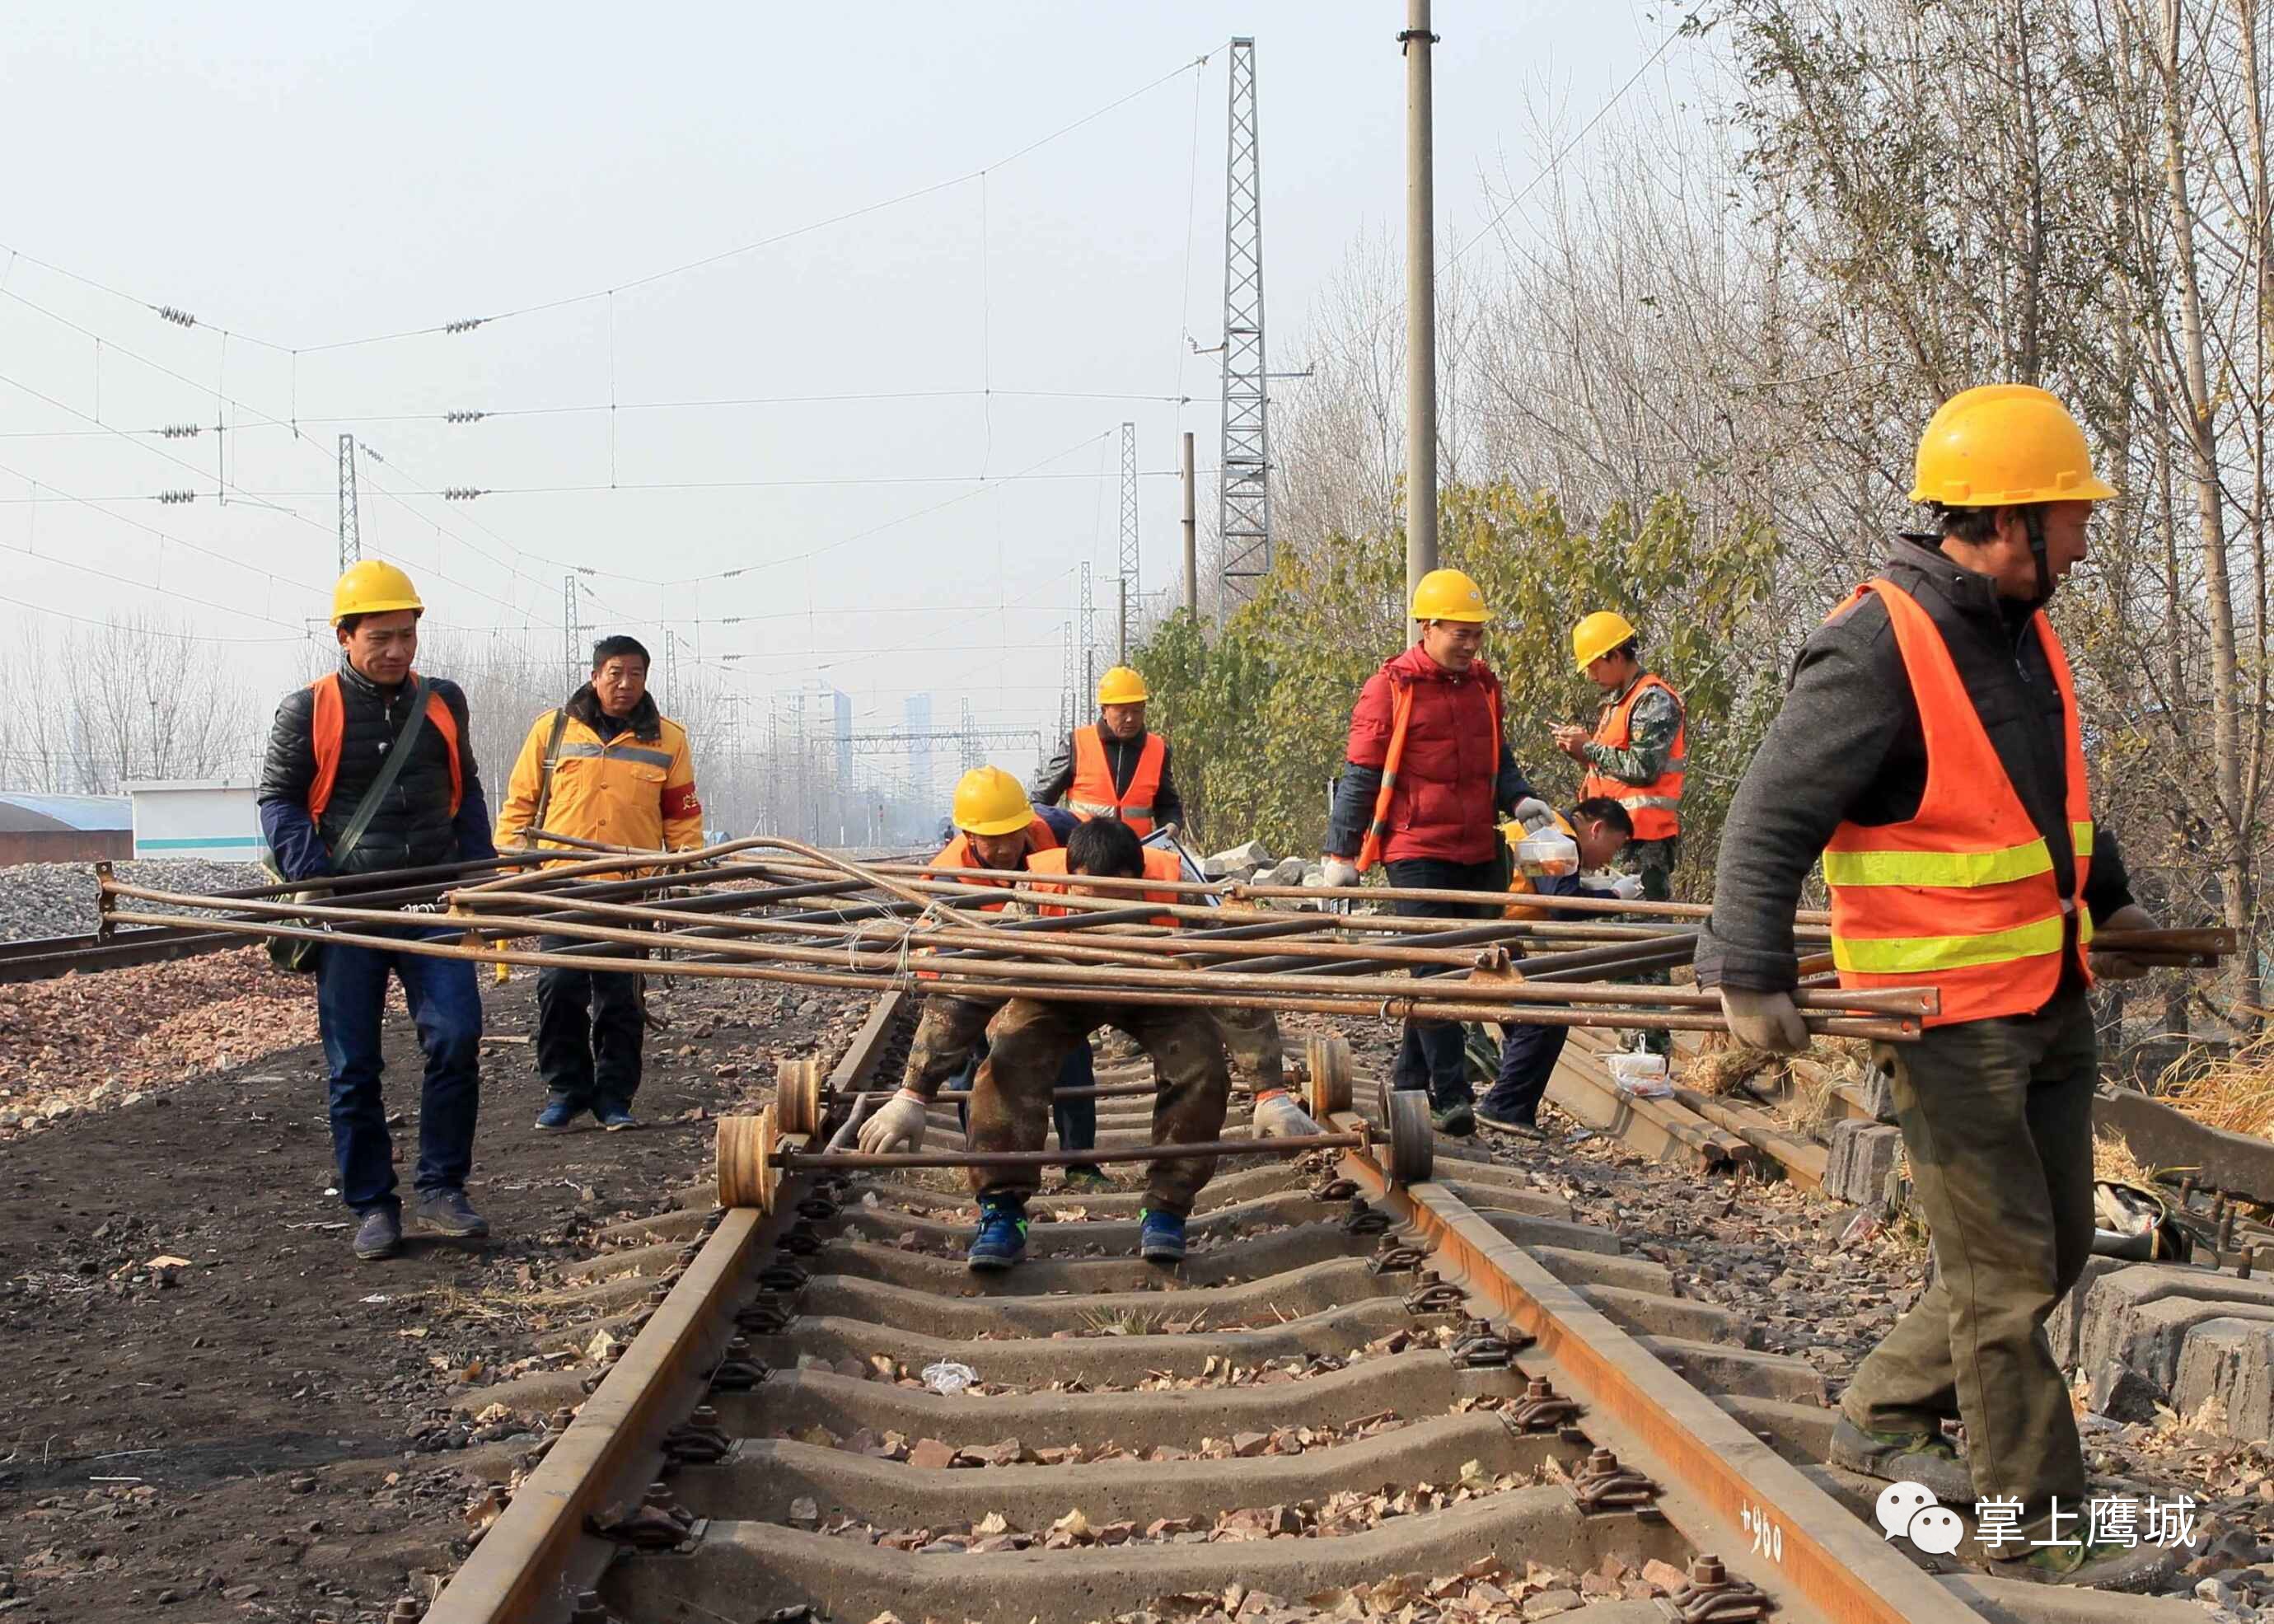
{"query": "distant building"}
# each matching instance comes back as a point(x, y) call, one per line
point(35, 829)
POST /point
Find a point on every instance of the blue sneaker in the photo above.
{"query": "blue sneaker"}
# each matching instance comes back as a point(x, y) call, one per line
point(1160, 1236)
point(558, 1115)
point(1002, 1238)
point(615, 1118)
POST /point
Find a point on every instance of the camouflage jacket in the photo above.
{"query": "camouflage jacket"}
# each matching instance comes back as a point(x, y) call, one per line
point(1656, 718)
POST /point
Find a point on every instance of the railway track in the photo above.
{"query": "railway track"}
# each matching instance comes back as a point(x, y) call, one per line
point(1444, 1395)
point(43, 958)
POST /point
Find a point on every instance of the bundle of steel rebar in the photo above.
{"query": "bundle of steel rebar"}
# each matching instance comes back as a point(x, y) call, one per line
point(779, 911)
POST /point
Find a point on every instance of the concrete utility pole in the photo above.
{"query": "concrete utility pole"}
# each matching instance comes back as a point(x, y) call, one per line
point(1192, 539)
point(1420, 305)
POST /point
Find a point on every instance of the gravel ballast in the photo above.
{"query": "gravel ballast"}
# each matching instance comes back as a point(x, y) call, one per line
point(58, 900)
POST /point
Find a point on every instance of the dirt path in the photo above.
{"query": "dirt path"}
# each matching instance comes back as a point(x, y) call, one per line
point(264, 1430)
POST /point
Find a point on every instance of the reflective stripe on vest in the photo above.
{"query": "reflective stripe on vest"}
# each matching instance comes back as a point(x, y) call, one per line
point(1092, 793)
point(584, 749)
point(1401, 716)
point(1158, 866)
point(1654, 806)
point(328, 727)
point(1962, 895)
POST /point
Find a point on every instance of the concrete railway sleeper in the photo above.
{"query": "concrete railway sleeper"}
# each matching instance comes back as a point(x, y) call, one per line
point(1441, 1390)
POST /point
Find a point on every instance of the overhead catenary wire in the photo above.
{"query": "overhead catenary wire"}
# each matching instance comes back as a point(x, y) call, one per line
point(468, 323)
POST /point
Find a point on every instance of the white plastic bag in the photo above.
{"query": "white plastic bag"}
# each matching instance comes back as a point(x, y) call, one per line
point(1640, 1077)
point(1549, 852)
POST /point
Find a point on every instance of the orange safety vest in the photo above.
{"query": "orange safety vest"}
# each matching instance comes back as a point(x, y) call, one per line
point(1960, 896)
point(1655, 806)
point(1158, 866)
point(957, 853)
point(328, 727)
point(1092, 793)
point(1401, 716)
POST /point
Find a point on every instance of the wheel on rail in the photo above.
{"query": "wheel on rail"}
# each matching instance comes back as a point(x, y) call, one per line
point(746, 1170)
point(797, 1096)
point(1412, 1139)
point(1327, 1089)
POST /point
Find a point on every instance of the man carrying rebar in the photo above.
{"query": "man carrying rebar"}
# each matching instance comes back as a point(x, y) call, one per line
point(1114, 767)
point(370, 767)
point(1032, 1038)
point(1429, 771)
point(996, 829)
point(1930, 751)
point(606, 767)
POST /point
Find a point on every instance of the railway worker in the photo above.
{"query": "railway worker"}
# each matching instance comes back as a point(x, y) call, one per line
point(1032, 1038)
point(1429, 770)
point(606, 766)
point(995, 828)
point(1930, 751)
point(371, 767)
point(1113, 767)
point(1601, 829)
point(1636, 757)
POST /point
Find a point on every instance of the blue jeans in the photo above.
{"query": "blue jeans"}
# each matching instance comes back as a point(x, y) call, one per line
point(1429, 1054)
point(1076, 1119)
point(445, 1002)
point(1527, 1058)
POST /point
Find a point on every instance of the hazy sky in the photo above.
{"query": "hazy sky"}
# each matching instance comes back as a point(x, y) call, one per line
point(305, 179)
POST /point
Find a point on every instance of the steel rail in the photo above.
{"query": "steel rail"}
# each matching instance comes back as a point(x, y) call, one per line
point(1411, 1002)
point(1892, 1001)
point(1720, 1485)
point(526, 1564)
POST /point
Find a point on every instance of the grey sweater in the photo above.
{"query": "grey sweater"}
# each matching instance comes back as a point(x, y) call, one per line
point(1847, 747)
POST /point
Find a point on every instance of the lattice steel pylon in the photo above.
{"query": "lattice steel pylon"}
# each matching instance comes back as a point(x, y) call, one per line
point(1128, 535)
point(350, 521)
point(572, 633)
point(1088, 667)
point(1244, 461)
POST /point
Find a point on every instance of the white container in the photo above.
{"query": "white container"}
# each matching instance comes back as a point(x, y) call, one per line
point(1641, 1077)
point(1548, 851)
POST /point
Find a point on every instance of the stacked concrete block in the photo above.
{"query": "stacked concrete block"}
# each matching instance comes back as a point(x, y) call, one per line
point(2189, 1334)
point(1863, 1160)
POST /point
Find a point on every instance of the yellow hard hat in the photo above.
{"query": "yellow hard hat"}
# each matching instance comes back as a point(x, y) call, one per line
point(991, 801)
point(373, 586)
point(1448, 595)
point(1121, 686)
point(2002, 445)
point(1597, 635)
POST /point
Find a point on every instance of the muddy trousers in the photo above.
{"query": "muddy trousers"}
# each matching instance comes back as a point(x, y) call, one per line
point(1997, 1118)
point(1011, 1102)
point(1252, 1044)
point(1654, 861)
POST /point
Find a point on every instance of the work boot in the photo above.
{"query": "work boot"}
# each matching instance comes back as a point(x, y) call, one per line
point(379, 1235)
point(2105, 1565)
point(1455, 1120)
point(1160, 1236)
point(1924, 1458)
point(1002, 1237)
point(447, 1212)
point(1522, 1128)
point(557, 1116)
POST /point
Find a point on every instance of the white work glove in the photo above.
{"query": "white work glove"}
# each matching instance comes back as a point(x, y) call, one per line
point(896, 1124)
point(1766, 1020)
point(1534, 814)
point(2117, 966)
point(1338, 870)
point(1627, 887)
point(1277, 1117)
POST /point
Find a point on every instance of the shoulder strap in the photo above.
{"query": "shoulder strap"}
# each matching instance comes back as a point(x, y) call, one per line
point(389, 770)
point(552, 761)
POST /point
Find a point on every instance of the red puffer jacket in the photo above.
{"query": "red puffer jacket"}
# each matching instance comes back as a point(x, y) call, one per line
point(1443, 803)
